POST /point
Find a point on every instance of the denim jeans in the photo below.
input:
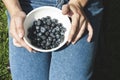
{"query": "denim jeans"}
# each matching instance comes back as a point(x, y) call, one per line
point(73, 62)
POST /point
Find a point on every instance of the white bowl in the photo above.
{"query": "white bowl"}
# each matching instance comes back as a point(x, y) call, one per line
point(43, 12)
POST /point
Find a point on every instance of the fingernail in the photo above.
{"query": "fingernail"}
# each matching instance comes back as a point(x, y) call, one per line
point(73, 42)
point(88, 40)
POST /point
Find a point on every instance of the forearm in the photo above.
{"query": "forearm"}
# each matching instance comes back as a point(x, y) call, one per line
point(81, 2)
point(12, 6)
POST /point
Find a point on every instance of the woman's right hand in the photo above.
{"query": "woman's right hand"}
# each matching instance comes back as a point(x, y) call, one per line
point(17, 30)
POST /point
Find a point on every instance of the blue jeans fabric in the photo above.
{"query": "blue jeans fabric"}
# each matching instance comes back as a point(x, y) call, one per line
point(73, 62)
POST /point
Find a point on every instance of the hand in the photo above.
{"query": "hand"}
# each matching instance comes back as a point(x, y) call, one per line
point(17, 30)
point(79, 22)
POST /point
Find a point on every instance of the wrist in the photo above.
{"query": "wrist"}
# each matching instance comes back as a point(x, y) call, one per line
point(81, 3)
point(14, 12)
point(76, 2)
point(12, 6)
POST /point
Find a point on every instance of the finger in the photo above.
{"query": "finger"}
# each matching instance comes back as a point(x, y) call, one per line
point(19, 27)
point(25, 46)
point(75, 23)
point(65, 9)
point(80, 33)
point(80, 30)
point(74, 26)
point(90, 32)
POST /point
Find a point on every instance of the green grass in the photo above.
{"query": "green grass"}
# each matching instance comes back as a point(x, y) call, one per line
point(4, 62)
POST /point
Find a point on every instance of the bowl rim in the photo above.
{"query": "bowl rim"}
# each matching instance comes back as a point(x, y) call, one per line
point(38, 49)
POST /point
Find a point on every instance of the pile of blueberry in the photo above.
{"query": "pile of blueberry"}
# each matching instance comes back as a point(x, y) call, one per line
point(46, 33)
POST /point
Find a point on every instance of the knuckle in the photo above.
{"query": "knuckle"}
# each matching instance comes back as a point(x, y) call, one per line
point(82, 18)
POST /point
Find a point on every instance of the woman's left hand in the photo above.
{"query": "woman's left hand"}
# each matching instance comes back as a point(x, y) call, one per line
point(79, 22)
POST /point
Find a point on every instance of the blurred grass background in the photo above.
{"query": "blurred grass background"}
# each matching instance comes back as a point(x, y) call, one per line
point(4, 63)
point(107, 64)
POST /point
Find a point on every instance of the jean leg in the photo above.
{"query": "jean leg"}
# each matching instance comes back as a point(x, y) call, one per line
point(27, 66)
point(75, 62)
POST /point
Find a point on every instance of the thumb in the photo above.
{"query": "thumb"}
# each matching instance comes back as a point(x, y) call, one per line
point(65, 9)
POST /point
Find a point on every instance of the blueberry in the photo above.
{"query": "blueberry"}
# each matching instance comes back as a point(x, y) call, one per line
point(35, 23)
point(48, 17)
point(49, 39)
point(38, 39)
point(54, 20)
point(44, 22)
point(39, 34)
point(42, 29)
point(43, 19)
point(46, 47)
point(43, 37)
point(31, 36)
point(42, 46)
point(33, 42)
point(48, 22)
point(46, 27)
point(38, 45)
point(46, 33)
point(52, 35)
point(53, 24)
point(53, 30)
point(43, 42)
point(48, 43)
point(39, 22)
point(59, 40)
point(62, 31)
point(62, 38)
point(33, 28)
point(57, 33)
point(53, 46)
point(49, 30)
point(35, 32)
point(59, 24)
point(37, 27)
point(57, 28)
point(54, 39)
point(57, 36)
